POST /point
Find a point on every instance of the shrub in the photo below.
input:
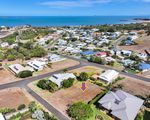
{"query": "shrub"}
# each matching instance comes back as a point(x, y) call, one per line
point(52, 87)
point(25, 73)
point(80, 111)
point(11, 57)
point(48, 116)
point(68, 83)
point(22, 106)
point(99, 96)
point(83, 76)
point(32, 106)
point(42, 84)
point(7, 110)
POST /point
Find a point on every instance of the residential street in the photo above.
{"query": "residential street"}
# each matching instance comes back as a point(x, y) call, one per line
point(23, 84)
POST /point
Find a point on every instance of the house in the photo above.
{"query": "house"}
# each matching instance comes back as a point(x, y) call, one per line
point(37, 65)
point(121, 105)
point(142, 56)
point(109, 59)
point(59, 78)
point(109, 76)
point(87, 53)
point(144, 67)
point(17, 68)
point(127, 62)
point(55, 58)
point(132, 37)
point(2, 117)
point(101, 54)
point(126, 52)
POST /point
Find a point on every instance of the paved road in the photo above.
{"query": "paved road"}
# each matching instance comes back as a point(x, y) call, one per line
point(49, 107)
point(115, 44)
point(23, 84)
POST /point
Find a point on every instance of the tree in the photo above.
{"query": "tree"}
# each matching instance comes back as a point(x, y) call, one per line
point(83, 76)
point(32, 106)
point(22, 106)
point(20, 56)
point(42, 84)
point(1, 66)
point(52, 87)
point(68, 83)
point(111, 63)
point(48, 116)
point(11, 57)
point(65, 70)
point(25, 73)
point(148, 32)
point(80, 111)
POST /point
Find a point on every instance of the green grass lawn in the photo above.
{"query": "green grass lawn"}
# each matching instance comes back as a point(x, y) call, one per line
point(130, 71)
point(98, 112)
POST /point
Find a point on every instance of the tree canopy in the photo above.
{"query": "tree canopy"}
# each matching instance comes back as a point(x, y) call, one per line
point(80, 111)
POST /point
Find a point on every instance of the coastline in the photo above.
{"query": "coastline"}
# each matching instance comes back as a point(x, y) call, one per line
point(59, 21)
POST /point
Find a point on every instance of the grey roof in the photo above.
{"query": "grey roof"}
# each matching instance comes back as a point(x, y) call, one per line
point(122, 105)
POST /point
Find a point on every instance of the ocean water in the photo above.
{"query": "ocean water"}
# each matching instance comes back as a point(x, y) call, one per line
point(66, 20)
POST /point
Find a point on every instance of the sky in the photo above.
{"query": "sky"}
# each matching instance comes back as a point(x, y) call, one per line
point(74, 7)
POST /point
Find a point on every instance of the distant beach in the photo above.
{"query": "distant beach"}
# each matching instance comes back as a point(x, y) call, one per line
point(68, 20)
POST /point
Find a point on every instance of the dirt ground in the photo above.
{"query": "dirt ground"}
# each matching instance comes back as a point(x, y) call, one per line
point(65, 97)
point(88, 69)
point(12, 98)
point(7, 77)
point(58, 66)
point(145, 74)
point(143, 44)
point(135, 86)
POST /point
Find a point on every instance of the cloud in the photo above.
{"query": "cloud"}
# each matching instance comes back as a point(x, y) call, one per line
point(82, 3)
point(74, 3)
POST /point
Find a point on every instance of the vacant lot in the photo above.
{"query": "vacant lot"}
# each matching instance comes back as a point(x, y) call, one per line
point(89, 69)
point(143, 44)
point(64, 97)
point(135, 86)
point(7, 77)
point(12, 98)
point(58, 66)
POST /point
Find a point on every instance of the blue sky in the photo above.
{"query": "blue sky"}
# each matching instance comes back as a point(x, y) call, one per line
point(73, 7)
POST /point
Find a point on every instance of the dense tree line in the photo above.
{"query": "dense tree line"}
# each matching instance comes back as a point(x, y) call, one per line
point(23, 51)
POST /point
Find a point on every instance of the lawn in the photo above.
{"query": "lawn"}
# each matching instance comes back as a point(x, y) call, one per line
point(99, 112)
point(130, 71)
point(88, 69)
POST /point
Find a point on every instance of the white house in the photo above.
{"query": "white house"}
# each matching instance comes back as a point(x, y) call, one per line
point(17, 68)
point(37, 65)
point(121, 105)
point(109, 76)
point(126, 52)
point(55, 58)
point(58, 78)
point(1, 117)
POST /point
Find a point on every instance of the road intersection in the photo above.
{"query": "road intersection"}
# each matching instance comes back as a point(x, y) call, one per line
point(24, 84)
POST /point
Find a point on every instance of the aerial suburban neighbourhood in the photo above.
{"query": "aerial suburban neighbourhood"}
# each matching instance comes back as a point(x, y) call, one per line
point(74, 67)
point(87, 72)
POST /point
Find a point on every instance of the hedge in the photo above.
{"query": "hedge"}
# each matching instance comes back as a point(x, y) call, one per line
point(99, 96)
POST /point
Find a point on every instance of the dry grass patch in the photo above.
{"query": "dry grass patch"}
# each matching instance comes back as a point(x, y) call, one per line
point(143, 44)
point(12, 98)
point(135, 86)
point(88, 69)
